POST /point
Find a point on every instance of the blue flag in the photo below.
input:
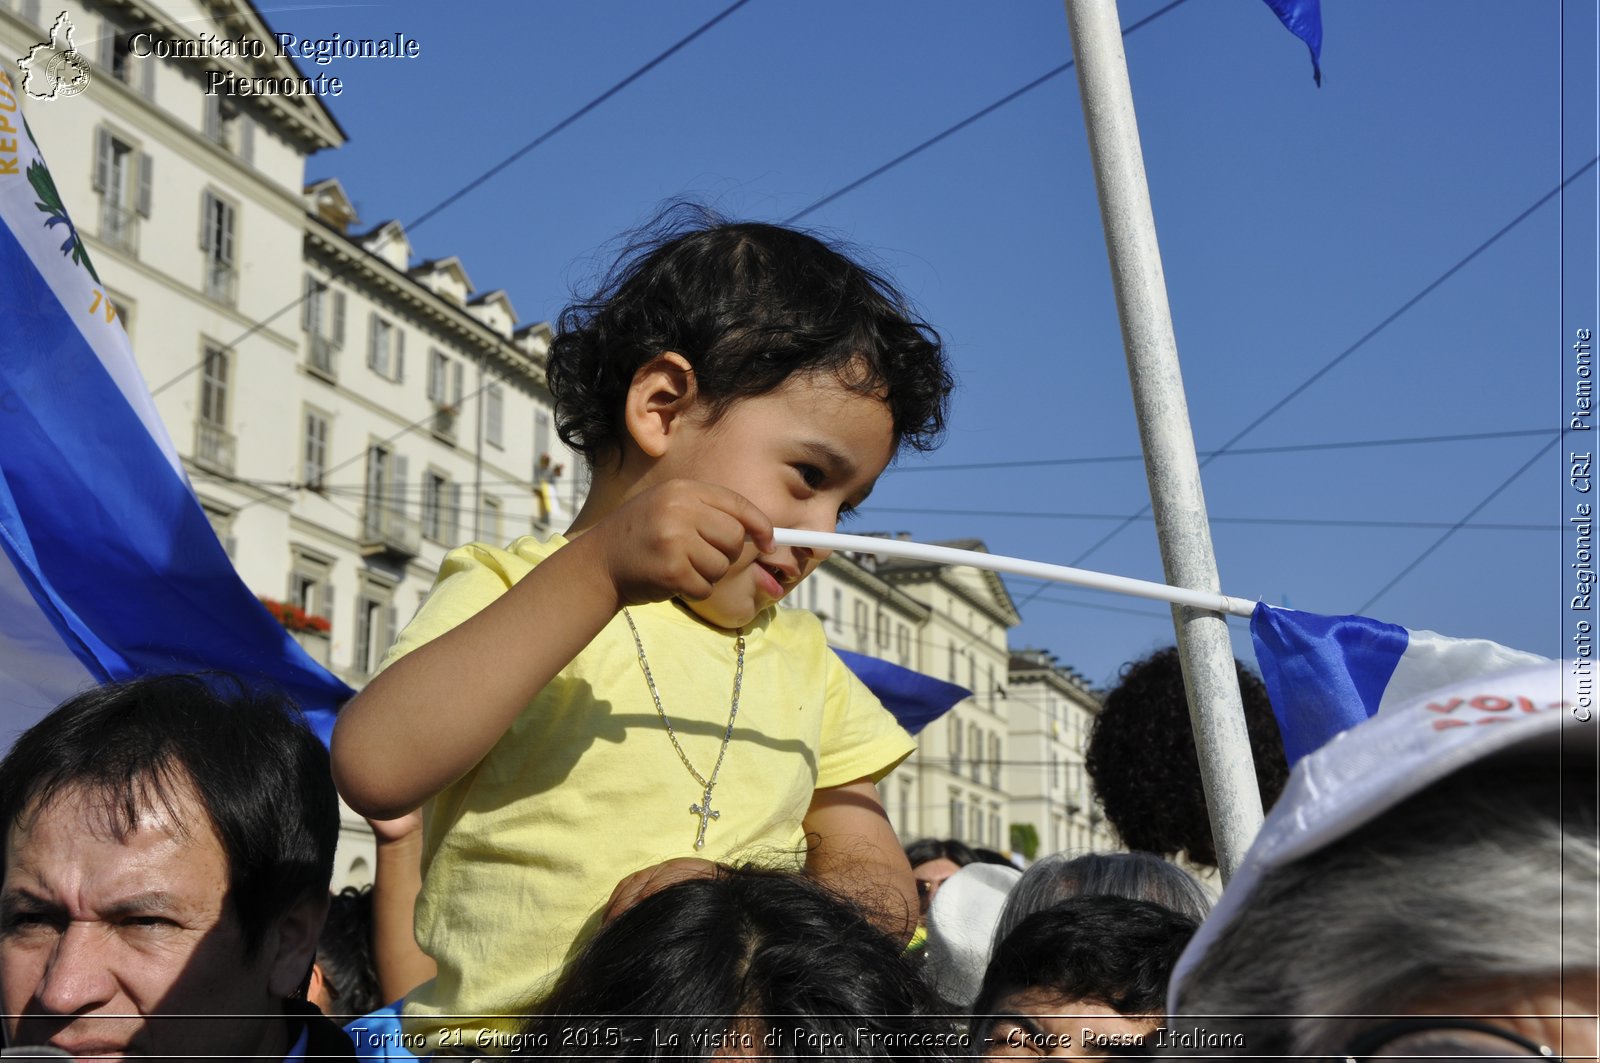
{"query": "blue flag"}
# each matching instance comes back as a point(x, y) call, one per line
point(916, 700)
point(109, 568)
point(1325, 674)
point(1303, 19)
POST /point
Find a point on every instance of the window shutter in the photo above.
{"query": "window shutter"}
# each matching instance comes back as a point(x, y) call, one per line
point(363, 637)
point(247, 140)
point(308, 305)
point(207, 210)
point(225, 234)
point(391, 624)
point(146, 180)
point(453, 517)
point(397, 487)
point(102, 160)
point(327, 600)
point(457, 375)
point(147, 76)
point(436, 366)
point(374, 327)
point(108, 43)
point(338, 319)
point(212, 123)
point(399, 356)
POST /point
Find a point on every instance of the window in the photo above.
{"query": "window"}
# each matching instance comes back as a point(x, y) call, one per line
point(385, 508)
point(994, 827)
point(311, 582)
point(883, 630)
point(952, 676)
point(494, 415)
point(213, 443)
point(375, 625)
point(122, 176)
point(322, 318)
point(221, 518)
point(541, 439)
point(314, 457)
point(975, 745)
point(489, 521)
point(116, 55)
point(386, 349)
point(1055, 771)
point(954, 740)
point(905, 808)
point(838, 610)
point(977, 824)
point(958, 813)
point(229, 128)
point(902, 640)
point(861, 624)
point(994, 761)
point(217, 240)
point(441, 502)
point(445, 377)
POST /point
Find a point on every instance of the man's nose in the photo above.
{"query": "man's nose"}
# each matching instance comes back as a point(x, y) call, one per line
point(76, 977)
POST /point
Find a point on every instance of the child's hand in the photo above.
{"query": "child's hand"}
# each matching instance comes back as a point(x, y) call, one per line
point(677, 540)
point(641, 884)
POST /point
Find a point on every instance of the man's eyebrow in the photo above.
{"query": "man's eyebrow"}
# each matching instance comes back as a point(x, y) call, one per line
point(17, 899)
point(141, 904)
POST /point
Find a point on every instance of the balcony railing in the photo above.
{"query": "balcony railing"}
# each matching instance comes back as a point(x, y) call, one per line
point(444, 422)
point(323, 358)
point(389, 531)
point(213, 446)
point(221, 282)
point(119, 227)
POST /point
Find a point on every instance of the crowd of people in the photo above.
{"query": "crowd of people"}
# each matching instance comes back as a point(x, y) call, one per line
point(626, 808)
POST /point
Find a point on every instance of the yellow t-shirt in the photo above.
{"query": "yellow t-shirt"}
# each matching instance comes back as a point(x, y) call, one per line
point(585, 788)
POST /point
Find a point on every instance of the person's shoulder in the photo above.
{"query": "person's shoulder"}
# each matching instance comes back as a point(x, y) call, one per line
point(509, 563)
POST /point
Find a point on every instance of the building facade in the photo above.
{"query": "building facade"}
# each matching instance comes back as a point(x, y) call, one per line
point(1051, 712)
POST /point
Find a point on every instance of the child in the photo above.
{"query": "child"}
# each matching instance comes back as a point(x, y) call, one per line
point(594, 717)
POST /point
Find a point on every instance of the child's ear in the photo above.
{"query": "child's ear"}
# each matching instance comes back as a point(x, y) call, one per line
point(662, 393)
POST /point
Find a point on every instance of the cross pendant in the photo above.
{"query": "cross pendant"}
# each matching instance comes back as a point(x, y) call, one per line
point(706, 814)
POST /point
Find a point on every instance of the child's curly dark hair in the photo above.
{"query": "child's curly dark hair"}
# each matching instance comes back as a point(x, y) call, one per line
point(748, 305)
point(1142, 761)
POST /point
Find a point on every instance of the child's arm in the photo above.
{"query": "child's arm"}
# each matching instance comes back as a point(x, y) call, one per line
point(399, 961)
point(428, 718)
point(854, 850)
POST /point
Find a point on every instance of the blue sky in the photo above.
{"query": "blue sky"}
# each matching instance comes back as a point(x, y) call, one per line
point(1293, 221)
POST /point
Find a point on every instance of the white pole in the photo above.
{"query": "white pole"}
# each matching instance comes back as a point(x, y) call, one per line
point(1170, 465)
point(1016, 566)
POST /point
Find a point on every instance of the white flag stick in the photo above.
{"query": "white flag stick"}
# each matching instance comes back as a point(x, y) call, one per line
point(1016, 566)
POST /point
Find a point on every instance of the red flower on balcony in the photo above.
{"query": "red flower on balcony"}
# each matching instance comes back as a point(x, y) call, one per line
point(294, 618)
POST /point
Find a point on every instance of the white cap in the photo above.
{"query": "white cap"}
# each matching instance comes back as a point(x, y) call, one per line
point(1367, 770)
point(961, 925)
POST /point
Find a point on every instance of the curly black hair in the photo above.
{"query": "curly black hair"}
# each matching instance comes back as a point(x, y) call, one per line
point(1142, 760)
point(748, 305)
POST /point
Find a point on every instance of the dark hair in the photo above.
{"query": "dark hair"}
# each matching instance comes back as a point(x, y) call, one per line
point(925, 849)
point(749, 305)
point(259, 772)
point(744, 954)
point(1160, 805)
point(344, 952)
point(1100, 950)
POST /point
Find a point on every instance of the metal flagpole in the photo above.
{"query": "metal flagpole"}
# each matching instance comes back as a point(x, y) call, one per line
point(1168, 442)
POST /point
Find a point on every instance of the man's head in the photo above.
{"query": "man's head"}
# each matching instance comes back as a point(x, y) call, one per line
point(169, 843)
point(1085, 979)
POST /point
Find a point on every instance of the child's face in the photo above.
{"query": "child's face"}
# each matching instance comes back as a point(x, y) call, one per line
point(803, 454)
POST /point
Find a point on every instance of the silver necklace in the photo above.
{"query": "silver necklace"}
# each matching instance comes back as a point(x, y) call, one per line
point(703, 808)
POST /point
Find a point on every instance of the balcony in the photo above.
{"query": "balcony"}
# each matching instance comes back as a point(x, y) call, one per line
point(213, 447)
point(323, 358)
point(221, 282)
point(119, 227)
point(444, 422)
point(389, 532)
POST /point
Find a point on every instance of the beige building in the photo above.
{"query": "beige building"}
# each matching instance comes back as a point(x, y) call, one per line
point(1051, 711)
point(344, 412)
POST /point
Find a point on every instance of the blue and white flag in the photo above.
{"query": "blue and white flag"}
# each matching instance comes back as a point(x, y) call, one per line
point(1303, 18)
point(1325, 674)
point(914, 699)
point(109, 568)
